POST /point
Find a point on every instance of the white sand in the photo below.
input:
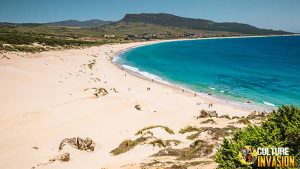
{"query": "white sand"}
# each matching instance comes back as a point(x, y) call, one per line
point(42, 101)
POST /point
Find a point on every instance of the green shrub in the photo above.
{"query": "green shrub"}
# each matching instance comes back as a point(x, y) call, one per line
point(17, 38)
point(281, 129)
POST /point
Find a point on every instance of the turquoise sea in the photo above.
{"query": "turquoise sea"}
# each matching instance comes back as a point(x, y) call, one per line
point(262, 70)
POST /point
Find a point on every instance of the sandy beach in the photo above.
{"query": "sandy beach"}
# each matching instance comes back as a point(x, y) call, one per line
point(49, 96)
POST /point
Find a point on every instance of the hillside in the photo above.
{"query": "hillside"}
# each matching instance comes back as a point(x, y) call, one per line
point(197, 24)
point(68, 23)
point(76, 23)
point(142, 30)
point(133, 27)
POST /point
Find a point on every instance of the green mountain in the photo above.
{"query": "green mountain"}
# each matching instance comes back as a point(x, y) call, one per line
point(169, 20)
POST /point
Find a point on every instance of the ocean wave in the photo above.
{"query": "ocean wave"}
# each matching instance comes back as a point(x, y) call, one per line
point(151, 76)
point(269, 104)
point(130, 68)
point(146, 74)
point(116, 58)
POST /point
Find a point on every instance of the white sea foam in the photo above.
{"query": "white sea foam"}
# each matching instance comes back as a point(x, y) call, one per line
point(269, 104)
point(116, 58)
point(131, 68)
point(146, 74)
point(212, 88)
point(222, 91)
point(151, 76)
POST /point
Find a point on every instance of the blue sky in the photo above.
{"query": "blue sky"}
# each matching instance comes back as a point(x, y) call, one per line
point(274, 14)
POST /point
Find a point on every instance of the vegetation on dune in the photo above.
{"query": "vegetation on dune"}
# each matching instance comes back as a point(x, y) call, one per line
point(193, 136)
point(1, 45)
point(281, 129)
point(218, 133)
point(188, 129)
point(167, 129)
point(226, 116)
point(27, 48)
point(196, 149)
point(146, 137)
point(215, 133)
point(173, 164)
point(127, 145)
point(211, 121)
point(91, 63)
point(164, 143)
point(17, 38)
point(244, 121)
point(47, 36)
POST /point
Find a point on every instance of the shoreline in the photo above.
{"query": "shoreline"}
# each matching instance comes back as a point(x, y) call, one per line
point(253, 106)
point(191, 93)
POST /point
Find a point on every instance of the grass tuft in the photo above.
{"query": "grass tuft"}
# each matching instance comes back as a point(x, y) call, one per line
point(211, 121)
point(244, 121)
point(167, 129)
point(216, 133)
point(193, 136)
point(197, 149)
point(226, 116)
point(188, 129)
point(127, 145)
